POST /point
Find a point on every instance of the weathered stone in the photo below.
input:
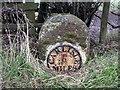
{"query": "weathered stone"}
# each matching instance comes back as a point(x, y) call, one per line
point(63, 28)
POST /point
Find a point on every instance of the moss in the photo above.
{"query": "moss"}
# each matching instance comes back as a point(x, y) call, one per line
point(78, 38)
point(70, 34)
point(68, 40)
point(82, 45)
point(45, 42)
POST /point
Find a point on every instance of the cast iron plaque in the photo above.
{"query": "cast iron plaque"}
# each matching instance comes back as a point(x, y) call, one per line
point(64, 58)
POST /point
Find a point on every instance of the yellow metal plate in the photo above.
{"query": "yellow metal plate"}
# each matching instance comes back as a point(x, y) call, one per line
point(64, 58)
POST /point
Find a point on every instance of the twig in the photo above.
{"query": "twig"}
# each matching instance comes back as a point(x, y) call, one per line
point(115, 14)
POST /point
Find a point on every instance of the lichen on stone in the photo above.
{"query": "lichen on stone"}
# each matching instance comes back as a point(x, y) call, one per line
point(61, 28)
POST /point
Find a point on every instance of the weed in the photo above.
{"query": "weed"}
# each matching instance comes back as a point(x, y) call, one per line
point(70, 34)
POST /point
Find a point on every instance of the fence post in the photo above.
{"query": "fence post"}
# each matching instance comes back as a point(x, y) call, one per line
point(104, 20)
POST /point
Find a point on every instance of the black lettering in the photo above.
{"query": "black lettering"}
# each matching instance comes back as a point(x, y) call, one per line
point(76, 61)
point(57, 50)
point(74, 68)
point(51, 61)
point(69, 68)
point(69, 49)
point(64, 68)
point(54, 67)
point(63, 48)
point(75, 55)
point(57, 68)
point(60, 68)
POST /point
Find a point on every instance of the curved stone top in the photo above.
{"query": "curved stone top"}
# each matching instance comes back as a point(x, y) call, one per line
point(62, 28)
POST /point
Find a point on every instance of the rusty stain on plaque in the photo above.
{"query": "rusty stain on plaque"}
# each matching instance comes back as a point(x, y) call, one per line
point(64, 58)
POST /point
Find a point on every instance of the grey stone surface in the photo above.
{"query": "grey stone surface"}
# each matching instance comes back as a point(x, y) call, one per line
point(62, 28)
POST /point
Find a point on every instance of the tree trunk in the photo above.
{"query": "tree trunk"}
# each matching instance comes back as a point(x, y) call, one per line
point(104, 20)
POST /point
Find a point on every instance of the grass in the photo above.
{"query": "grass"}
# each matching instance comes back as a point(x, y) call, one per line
point(101, 71)
point(105, 71)
point(17, 72)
